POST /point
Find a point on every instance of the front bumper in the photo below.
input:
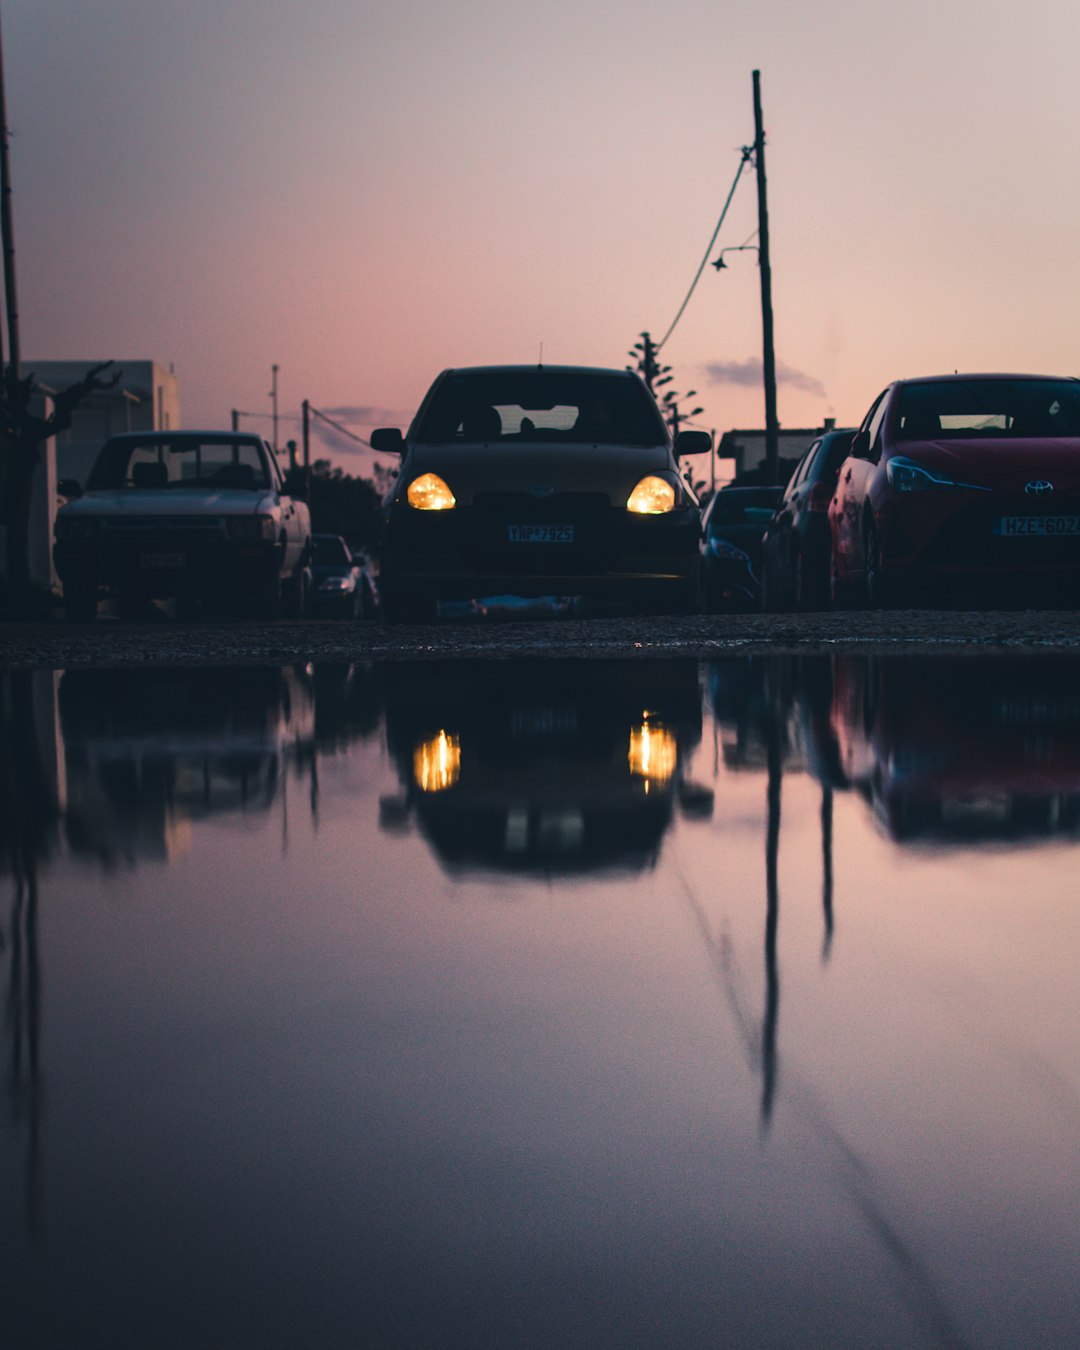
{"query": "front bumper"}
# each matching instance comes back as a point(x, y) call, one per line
point(159, 562)
point(466, 552)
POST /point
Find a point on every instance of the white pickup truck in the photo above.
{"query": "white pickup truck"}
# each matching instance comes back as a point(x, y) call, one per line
point(195, 515)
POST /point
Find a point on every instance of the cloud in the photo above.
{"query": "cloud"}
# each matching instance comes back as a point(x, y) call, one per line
point(747, 375)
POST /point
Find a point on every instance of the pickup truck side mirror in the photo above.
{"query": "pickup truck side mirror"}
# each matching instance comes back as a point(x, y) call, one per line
point(70, 488)
point(389, 440)
point(692, 443)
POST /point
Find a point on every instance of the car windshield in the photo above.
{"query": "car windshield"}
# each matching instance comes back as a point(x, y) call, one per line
point(527, 407)
point(741, 507)
point(189, 461)
point(989, 408)
point(331, 552)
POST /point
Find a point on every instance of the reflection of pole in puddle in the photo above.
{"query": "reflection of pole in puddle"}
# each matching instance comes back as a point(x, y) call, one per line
point(772, 918)
point(826, 869)
point(24, 1020)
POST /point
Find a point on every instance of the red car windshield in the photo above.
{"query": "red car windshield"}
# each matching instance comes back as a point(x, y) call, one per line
point(967, 409)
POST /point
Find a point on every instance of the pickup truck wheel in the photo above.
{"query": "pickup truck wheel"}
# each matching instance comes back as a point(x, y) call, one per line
point(268, 597)
point(80, 602)
point(294, 594)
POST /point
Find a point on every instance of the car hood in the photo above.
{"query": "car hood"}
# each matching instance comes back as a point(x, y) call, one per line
point(467, 469)
point(171, 502)
point(1006, 463)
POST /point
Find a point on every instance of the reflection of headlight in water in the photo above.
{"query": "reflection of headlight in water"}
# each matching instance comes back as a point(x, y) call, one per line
point(437, 763)
point(653, 751)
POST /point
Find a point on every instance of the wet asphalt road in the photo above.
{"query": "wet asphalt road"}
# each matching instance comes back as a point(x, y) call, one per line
point(237, 642)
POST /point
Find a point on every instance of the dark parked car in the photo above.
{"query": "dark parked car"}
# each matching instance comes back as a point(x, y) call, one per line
point(797, 546)
point(342, 586)
point(200, 516)
point(538, 480)
point(959, 480)
point(732, 530)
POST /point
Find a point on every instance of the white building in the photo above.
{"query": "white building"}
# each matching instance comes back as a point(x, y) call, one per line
point(146, 399)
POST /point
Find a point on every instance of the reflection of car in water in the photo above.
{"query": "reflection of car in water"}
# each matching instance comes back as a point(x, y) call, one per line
point(556, 766)
point(148, 751)
point(960, 748)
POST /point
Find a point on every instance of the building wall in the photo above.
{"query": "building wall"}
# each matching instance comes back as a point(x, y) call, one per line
point(146, 399)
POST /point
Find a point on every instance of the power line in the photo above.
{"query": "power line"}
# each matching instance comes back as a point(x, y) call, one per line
point(338, 427)
point(747, 153)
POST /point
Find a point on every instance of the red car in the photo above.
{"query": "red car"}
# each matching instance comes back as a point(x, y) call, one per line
point(958, 480)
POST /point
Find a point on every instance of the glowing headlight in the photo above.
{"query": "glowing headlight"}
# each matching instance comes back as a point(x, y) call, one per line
point(437, 763)
point(430, 493)
point(653, 751)
point(652, 497)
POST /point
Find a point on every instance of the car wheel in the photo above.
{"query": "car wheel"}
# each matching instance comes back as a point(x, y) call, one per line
point(80, 602)
point(839, 591)
point(879, 588)
point(268, 597)
point(294, 594)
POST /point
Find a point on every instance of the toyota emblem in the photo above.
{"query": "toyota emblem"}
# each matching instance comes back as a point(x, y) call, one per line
point(1038, 487)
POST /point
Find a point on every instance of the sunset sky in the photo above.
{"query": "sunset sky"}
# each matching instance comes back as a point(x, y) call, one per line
point(366, 193)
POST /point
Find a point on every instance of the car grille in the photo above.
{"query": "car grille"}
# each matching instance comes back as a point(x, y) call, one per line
point(141, 527)
point(528, 506)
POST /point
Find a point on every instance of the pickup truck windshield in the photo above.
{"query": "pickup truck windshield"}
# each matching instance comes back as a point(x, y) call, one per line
point(185, 462)
point(528, 407)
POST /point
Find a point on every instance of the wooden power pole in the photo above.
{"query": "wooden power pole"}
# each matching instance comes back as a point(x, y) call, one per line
point(7, 233)
point(768, 359)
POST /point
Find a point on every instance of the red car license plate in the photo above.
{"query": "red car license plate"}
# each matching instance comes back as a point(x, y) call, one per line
point(1040, 526)
point(541, 534)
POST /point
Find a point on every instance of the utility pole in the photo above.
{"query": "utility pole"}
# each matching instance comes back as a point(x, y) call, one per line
point(768, 360)
point(7, 233)
point(236, 419)
point(307, 451)
point(274, 404)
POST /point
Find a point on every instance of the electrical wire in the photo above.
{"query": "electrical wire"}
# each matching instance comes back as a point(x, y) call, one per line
point(747, 152)
point(338, 427)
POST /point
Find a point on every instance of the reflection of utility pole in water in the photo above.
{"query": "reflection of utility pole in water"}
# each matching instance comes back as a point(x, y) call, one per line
point(826, 869)
point(23, 1014)
point(772, 915)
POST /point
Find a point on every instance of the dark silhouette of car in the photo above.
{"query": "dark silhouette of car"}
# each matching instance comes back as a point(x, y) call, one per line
point(538, 480)
point(797, 547)
point(342, 585)
point(731, 536)
point(200, 516)
point(958, 483)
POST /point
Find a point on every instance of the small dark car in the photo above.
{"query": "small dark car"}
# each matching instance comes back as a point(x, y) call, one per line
point(341, 583)
point(961, 483)
point(538, 480)
point(732, 530)
point(797, 548)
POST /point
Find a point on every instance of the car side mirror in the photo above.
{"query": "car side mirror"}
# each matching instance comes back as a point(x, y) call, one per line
point(389, 440)
point(70, 488)
point(860, 445)
point(693, 443)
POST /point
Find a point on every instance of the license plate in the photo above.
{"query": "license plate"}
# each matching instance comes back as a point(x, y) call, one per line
point(162, 560)
point(541, 534)
point(1041, 526)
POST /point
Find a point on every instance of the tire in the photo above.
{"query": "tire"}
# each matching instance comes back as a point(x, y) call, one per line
point(80, 602)
point(770, 602)
point(294, 594)
point(839, 591)
point(268, 597)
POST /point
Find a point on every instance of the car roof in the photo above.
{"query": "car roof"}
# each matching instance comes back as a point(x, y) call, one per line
point(539, 369)
point(187, 434)
point(957, 378)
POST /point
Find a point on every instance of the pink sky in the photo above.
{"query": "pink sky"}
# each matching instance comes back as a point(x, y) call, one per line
point(366, 193)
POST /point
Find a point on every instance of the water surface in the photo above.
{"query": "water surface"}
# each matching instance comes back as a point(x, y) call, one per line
point(562, 1003)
